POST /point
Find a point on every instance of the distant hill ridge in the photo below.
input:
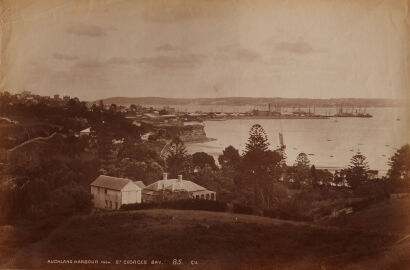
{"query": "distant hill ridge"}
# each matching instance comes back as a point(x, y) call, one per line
point(238, 101)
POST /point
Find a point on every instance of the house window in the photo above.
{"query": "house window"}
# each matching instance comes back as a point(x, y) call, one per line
point(207, 196)
point(202, 196)
point(106, 204)
point(105, 190)
point(212, 196)
point(197, 197)
point(111, 204)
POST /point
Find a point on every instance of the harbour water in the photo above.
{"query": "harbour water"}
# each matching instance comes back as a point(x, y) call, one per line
point(329, 143)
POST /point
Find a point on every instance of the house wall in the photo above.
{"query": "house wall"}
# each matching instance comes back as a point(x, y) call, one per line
point(131, 196)
point(130, 193)
point(106, 198)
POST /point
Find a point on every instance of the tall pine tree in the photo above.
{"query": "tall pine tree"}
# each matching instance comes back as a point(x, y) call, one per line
point(258, 140)
point(260, 166)
point(358, 171)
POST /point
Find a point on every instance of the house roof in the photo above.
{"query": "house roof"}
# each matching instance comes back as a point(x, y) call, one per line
point(110, 182)
point(174, 184)
point(87, 130)
point(140, 184)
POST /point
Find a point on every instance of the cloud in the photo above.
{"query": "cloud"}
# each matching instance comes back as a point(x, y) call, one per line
point(179, 61)
point(160, 61)
point(166, 47)
point(60, 56)
point(89, 64)
point(96, 64)
point(86, 30)
point(236, 53)
point(280, 61)
point(118, 61)
point(245, 55)
point(298, 47)
point(180, 11)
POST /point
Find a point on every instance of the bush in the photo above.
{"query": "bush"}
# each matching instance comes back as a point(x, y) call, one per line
point(360, 205)
point(187, 204)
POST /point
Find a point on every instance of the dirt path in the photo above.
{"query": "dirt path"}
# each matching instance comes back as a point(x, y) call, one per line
point(32, 140)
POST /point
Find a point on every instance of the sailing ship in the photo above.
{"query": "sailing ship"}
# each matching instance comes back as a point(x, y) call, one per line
point(282, 146)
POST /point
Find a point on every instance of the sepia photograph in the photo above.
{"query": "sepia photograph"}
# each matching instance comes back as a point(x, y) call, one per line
point(205, 134)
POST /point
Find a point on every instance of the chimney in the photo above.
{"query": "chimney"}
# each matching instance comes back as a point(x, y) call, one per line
point(164, 176)
point(180, 178)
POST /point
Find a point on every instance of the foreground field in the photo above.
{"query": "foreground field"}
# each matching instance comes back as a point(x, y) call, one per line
point(214, 241)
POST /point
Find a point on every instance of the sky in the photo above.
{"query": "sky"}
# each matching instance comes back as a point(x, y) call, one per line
point(206, 48)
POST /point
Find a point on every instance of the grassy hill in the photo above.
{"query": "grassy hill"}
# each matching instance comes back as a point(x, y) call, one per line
point(213, 240)
point(389, 216)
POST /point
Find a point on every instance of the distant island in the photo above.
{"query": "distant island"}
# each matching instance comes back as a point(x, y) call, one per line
point(253, 101)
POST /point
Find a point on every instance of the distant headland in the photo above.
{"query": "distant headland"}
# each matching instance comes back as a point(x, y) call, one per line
point(242, 101)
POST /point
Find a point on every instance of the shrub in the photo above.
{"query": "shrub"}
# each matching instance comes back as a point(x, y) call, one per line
point(187, 204)
point(360, 205)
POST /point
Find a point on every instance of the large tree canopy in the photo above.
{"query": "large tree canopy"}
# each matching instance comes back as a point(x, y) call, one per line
point(230, 158)
point(202, 159)
point(400, 164)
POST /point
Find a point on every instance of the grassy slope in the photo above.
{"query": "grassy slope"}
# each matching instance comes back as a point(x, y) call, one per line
point(216, 240)
point(390, 216)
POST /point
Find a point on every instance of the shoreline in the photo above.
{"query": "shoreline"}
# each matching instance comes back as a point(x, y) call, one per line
point(267, 117)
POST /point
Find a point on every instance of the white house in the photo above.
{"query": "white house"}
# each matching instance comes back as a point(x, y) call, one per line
point(85, 132)
point(112, 192)
point(195, 191)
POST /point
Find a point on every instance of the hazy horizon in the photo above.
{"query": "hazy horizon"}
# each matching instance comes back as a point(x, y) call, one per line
point(244, 97)
point(206, 49)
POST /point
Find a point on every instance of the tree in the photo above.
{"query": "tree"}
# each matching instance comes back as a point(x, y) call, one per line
point(314, 176)
point(302, 160)
point(102, 136)
point(400, 164)
point(178, 161)
point(358, 171)
point(257, 139)
point(259, 166)
point(324, 177)
point(301, 174)
point(399, 172)
point(339, 178)
point(113, 107)
point(230, 158)
point(202, 159)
